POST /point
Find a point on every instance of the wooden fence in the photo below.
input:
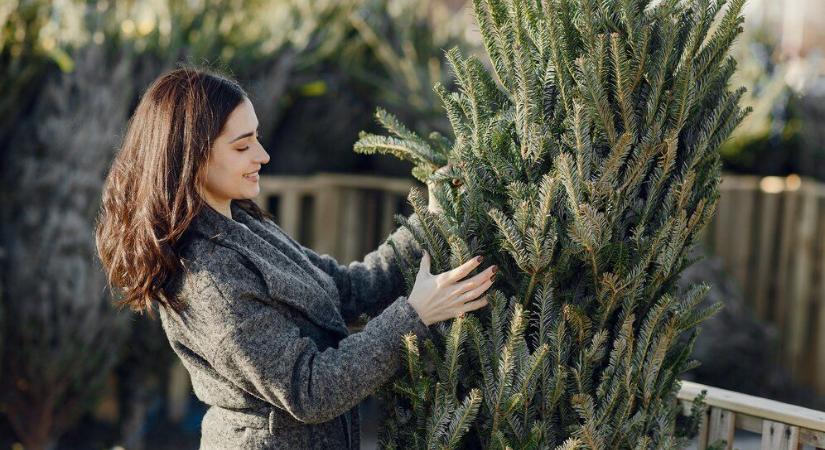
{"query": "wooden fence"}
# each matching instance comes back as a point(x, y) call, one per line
point(345, 216)
point(770, 231)
point(782, 426)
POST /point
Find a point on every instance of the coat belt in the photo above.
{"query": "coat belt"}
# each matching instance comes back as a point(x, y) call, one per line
point(271, 418)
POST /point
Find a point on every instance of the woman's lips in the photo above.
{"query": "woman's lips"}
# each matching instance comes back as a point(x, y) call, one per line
point(252, 176)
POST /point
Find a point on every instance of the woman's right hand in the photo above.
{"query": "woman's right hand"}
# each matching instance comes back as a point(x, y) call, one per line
point(445, 296)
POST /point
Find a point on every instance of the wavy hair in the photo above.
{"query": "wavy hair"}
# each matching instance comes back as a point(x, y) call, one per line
point(150, 195)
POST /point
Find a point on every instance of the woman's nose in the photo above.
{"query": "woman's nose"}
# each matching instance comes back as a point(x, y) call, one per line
point(264, 156)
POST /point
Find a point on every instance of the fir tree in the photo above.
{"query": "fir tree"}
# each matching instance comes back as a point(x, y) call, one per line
point(583, 164)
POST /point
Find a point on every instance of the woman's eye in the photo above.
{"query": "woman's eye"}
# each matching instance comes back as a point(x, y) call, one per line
point(258, 136)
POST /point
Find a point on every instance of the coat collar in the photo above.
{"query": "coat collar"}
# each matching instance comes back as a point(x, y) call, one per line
point(288, 274)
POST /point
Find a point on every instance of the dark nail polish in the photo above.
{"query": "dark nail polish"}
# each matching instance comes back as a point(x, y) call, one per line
point(495, 269)
point(480, 258)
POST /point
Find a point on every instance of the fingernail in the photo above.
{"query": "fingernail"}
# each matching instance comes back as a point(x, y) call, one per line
point(495, 269)
point(480, 258)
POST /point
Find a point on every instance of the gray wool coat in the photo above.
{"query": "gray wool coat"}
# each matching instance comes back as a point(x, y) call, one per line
point(264, 336)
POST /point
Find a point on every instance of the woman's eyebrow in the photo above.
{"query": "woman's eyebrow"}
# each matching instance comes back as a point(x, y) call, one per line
point(247, 134)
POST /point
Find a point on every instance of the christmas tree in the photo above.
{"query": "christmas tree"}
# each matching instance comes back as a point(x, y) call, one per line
point(583, 164)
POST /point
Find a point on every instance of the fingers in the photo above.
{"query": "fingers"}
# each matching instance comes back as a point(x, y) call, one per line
point(472, 294)
point(463, 270)
point(474, 305)
point(477, 280)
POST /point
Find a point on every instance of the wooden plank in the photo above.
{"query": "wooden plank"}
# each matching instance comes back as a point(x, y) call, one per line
point(763, 281)
point(749, 423)
point(704, 430)
point(279, 183)
point(388, 205)
point(771, 435)
point(739, 236)
point(793, 439)
point(788, 223)
point(755, 406)
point(352, 226)
point(327, 217)
point(739, 181)
point(722, 230)
point(370, 222)
point(275, 184)
point(289, 212)
point(819, 331)
point(779, 436)
point(391, 184)
point(801, 278)
point(812, 438)
point(820, 341)
point(722, 424)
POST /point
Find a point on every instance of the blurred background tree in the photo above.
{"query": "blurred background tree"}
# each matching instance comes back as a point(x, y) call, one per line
point(783, 134)
point(766, 143)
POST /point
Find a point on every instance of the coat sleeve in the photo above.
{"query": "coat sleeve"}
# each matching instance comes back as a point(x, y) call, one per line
point(368, 286)
point(264, 353)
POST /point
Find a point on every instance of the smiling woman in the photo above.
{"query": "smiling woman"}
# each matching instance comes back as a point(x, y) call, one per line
point(236, 158)
point(180, 152)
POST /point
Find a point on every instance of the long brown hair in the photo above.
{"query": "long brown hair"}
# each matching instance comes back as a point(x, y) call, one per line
point(150, 194)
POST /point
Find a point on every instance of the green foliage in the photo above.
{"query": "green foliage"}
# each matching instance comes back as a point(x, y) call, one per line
point(405, 145)
point(586, 163)
point(244, 38)
point(22, 60)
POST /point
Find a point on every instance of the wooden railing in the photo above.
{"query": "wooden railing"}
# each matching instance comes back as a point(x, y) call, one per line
point(782, 426)
point(770, 232)
point(345, 216)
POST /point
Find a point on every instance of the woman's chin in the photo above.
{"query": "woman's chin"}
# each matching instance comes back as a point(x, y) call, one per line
point(251, 193)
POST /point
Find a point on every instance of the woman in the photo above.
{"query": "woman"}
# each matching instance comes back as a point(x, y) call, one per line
point(257, 319)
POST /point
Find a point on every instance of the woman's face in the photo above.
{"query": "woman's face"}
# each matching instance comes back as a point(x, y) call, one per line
point(234, 161)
